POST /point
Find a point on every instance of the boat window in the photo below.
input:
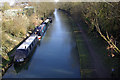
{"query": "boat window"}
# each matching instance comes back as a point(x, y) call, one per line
point(30, 47)
point(32, 43)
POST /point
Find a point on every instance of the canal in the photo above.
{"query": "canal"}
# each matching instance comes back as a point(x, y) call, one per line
point(56, 55)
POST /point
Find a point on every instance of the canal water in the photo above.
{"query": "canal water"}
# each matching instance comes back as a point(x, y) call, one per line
point(56, 55)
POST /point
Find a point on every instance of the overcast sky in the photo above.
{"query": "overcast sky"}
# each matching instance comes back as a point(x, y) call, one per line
point(11, 2)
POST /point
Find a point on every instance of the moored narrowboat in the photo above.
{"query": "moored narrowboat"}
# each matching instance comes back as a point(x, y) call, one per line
point(24, 50)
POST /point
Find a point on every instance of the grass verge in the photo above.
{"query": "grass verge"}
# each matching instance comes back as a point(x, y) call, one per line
point(86, 68)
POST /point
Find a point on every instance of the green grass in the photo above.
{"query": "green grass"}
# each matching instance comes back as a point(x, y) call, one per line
point(86, 68)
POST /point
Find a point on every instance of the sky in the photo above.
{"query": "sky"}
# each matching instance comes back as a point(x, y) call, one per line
point(11, 2)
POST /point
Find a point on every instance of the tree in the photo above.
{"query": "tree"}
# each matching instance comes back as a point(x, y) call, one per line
point(6, 6)
point(102, 17)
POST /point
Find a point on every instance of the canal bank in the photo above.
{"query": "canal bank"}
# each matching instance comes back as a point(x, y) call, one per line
point(6, 64)
point(86, 68)
point(94, 59)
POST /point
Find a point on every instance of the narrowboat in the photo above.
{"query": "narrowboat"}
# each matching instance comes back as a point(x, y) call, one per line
point(40, 30)
point(25, 49)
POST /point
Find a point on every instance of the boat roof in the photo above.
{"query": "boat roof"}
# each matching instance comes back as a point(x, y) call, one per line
point(47, 20)
point(27, 42)
point(42, 25)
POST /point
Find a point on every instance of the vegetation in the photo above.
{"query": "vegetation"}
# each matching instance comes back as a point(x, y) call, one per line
point(16, 28)
point(44, 9)
point(102, 18)
point(5, 7)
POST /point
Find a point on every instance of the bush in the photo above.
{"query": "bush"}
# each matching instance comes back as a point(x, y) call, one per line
point(17, 26)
